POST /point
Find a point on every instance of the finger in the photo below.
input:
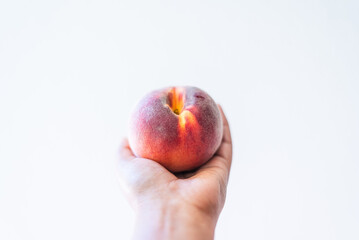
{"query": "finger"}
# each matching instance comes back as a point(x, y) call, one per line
point(125, 151)
point(225, 149)
point(221, 162)
point(226, 131)
point(214, 169)
point(224, 152)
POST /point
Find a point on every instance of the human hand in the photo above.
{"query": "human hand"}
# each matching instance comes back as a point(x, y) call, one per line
point(176, 206)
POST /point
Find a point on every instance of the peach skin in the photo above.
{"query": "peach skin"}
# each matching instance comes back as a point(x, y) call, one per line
point(179, 127)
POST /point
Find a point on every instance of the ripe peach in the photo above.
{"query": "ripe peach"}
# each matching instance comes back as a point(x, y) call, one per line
point(178, 127)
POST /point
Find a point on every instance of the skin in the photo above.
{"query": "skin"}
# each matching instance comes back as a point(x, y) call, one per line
point(176, 206)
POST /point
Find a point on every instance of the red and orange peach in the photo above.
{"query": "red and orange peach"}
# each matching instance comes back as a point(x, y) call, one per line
point(178, 127)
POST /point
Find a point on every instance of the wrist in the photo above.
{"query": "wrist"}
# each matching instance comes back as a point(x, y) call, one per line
point(173, 220)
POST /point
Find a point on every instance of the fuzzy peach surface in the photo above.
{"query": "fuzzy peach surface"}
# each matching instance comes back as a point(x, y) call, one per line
point(179, 127)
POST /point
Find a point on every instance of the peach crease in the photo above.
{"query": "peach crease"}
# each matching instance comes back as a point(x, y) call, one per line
point(175, 100)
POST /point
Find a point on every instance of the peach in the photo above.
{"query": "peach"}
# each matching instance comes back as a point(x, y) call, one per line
point(178, 127)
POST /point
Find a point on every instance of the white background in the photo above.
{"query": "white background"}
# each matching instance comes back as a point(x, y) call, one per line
point(286, 74)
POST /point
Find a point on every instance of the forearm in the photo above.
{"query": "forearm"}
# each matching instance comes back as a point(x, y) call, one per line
point(174, 221)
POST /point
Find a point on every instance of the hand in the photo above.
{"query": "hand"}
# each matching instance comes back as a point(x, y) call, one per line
point(176, 206)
